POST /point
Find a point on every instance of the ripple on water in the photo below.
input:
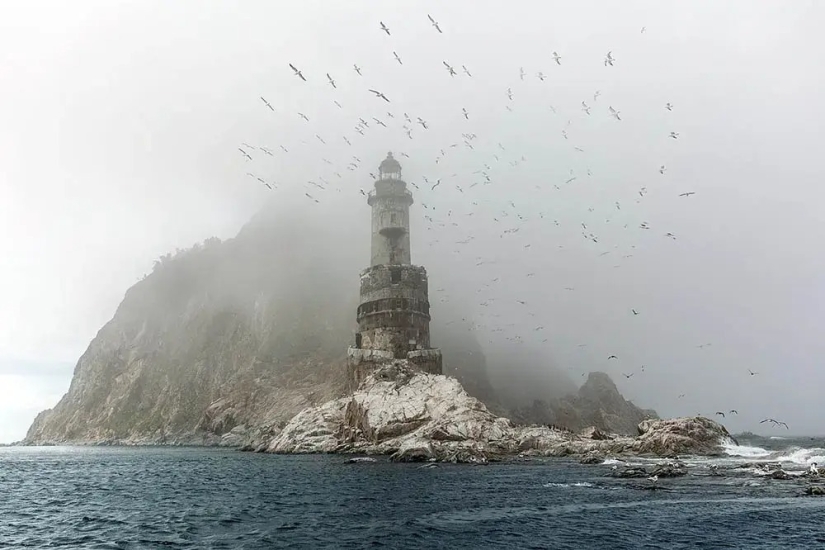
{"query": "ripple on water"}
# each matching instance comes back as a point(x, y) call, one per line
point(202, 498)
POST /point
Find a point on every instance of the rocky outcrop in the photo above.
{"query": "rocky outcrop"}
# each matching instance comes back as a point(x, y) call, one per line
point(416, 417)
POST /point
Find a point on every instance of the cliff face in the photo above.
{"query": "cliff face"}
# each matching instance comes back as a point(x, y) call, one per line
point(598, 403)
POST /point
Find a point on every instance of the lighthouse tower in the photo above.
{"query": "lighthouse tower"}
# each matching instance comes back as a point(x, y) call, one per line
point(394, 312)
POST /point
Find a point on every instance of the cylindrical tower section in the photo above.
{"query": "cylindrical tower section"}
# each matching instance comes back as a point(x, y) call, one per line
point(390, 202)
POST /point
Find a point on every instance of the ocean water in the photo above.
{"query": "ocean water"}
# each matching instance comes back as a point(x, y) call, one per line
point(104, 497)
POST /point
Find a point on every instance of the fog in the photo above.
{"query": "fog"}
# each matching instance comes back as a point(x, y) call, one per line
point(120, 125)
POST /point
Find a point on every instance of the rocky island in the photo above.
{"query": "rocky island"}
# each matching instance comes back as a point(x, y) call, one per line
point(221, 346)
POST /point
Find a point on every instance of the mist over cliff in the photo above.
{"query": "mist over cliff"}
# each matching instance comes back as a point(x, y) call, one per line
point(249, 331)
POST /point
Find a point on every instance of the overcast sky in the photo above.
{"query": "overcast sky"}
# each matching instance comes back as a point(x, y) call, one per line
point(120, 124)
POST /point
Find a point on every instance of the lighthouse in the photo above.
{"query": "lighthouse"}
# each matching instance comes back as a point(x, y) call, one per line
point(394, 311)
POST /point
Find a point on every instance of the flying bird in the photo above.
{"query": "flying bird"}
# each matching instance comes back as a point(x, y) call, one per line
point(662, 169)
point(557, 58)
point(608, 60)
point(297, 72)
point(689, 193)
point(612, 357)
point(381, 95)
point(614, 113)
point(384, 28)
point(521, 73)
point(643, 30)
point(449, 68)
point(331, 81)
point(465, 113)
point(303, 116)
point(752, 373)
point(541, 76)
point(348, 143)
point(585, 108)
point(674, 135)
point(733, 411)
point(267, 104)
point(628, 376)
point(634, 312)
point(311, 197)
point(338, 104)
point(436, 185)
point(357, 69)
point(720, 413)
point(669, 106)
point(434, 22)
point(397, 58)
point(422, 122)
point(244, 153)
point(466, 71)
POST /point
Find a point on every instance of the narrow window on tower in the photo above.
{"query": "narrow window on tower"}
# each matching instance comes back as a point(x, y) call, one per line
point(393, 219)
point(395, 276)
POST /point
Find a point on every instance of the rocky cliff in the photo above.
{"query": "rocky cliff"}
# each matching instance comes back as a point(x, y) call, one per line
point(247, 333)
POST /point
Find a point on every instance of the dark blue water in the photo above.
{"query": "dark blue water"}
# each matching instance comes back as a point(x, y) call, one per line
point(193, 498)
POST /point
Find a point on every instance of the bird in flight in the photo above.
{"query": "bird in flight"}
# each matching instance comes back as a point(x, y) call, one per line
point(662, 169)
point(585, 108)
point(436, 185)
point(244, 153)
point(733, 411)
point(614, 113)
point(384, 28)
point(303, 116)
point(357, 69)
point(510, 94)
point(557, 58)
point(338, 104)
point(634, 312)
point(608, 60)
point(297, 72)
point(681, 395)
point(348, 143)
point(521, 73)
point(643, 30)
point(669, 106)
point(267, 103)
point(331, 81)
point(541, 76)
point(466, 71)
point(674, 135)
point(720, 413)
point(381, 95)
point(628, 376)
point(449, 68)
point(465, 113)
point(311, 197)
point(689, 193)
point(422, 122)
point(434, 22)
point(397, 58)
point(752, 373)
point(774, 422)
point(597, 94)
point(612, 357)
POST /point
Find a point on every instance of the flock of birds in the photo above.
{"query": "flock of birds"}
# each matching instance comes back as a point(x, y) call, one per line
point(494, 162)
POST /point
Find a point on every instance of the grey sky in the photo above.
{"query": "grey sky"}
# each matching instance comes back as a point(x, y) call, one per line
point(120, 122)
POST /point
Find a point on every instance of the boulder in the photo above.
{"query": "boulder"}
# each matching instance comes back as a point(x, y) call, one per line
point(815, 490)
point(630, 472)
point(780, 474)
point(670, 469)
point(593, 457)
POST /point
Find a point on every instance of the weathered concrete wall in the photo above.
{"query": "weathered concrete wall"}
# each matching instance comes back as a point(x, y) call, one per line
point(362, 362)
point(390, 204)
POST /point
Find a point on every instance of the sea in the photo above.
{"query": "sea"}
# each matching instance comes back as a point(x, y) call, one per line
point(158, 497)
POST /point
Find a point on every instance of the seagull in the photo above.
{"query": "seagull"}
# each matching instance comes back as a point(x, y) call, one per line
point(436, 185)
point(814, 471)
point(422, 122)
point(397, 58)
point(643, 30)
point(466, 71)
point(434, 22)
point(510, 94)
point(597, 94)
point(662, 169)
point(674, 135)
point(733, 411)
point(557, 58)
point(362, 192)
point(384, 28)
point(465, 113)
point(720, 413)
point(612, 357)
point(628, 376)
point(357, 69)
point(449, 68)
point(297, 72)
point(320, 139)
point(338, 104)
point(267, 103)
point(669, 106)
point(311, 197)
point(331, 81)
point(348, 143)
point(244, 153)
point(681, 395)
point(521, 73)
point(608, 60)
point(614, 113)
point(303, 116)
point(381, 95)
point(689, 193)
point(752, 373)
point(634, 312)
point(585, 108)
point(654, 479)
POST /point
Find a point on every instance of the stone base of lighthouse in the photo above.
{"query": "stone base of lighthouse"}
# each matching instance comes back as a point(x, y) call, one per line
point(362, 362)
